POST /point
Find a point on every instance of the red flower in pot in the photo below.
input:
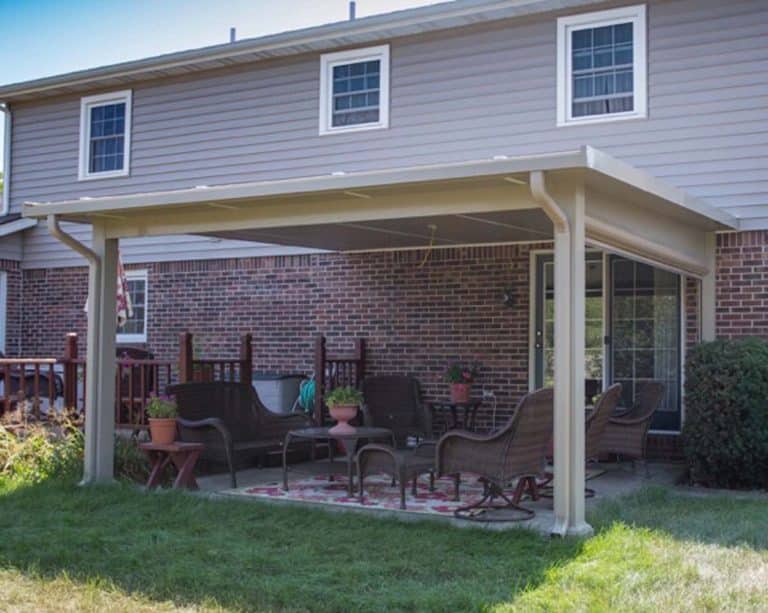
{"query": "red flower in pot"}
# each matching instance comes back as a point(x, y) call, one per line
point(461, 377)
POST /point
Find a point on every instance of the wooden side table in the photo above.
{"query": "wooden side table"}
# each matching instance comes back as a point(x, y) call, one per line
point(182, 455)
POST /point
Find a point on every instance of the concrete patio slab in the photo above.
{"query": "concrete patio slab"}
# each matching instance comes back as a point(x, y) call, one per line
point(617, 480)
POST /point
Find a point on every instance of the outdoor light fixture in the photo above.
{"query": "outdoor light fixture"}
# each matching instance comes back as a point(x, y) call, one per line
point(508, 298)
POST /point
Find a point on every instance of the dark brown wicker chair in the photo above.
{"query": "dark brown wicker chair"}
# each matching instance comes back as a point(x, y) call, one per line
point(627, 432)
point(596, 424)
point(394, 402)
point(518, 450)
point(231, 421)
point(598, 420)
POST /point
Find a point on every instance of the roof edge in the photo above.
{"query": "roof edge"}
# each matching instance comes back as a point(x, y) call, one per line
point(426, 18)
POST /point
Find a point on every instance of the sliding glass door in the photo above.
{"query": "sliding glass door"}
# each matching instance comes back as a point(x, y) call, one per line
point(632, 332)
point(545, 322)
point(644, 339)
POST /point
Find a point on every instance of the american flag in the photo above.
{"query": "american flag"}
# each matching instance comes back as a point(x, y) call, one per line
point(124, 307)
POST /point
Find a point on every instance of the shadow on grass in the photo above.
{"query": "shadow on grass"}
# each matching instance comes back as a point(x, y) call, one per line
point(240, 554)
point(716, 519)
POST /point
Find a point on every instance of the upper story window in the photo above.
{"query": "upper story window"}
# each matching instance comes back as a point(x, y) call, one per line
point(134, 330)
point(354, 90)
point(601, 61)
point(105, 135)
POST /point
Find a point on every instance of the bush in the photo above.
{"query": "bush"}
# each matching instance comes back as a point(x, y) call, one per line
point(725, 437)
point(41, 451)
point(54, 450)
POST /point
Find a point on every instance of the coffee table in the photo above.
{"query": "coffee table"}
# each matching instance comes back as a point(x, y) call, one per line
point(349, 442)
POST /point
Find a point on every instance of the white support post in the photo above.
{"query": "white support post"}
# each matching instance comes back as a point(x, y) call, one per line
point(100, 370)
point(570, 284)
point(708, 296)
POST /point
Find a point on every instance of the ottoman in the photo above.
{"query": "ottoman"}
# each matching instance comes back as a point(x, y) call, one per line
point(402, 465)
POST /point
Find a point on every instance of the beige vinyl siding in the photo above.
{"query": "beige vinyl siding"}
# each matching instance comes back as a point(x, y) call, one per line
point(456, 95)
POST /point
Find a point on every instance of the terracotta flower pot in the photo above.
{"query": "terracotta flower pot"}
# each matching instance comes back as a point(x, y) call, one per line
point(460, 392)
point(343, 413)
point(163, 431)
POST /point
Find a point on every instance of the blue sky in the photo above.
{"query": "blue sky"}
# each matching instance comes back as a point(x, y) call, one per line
point(40, 38)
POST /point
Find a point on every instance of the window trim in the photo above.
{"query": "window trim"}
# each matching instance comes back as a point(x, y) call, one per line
point(137, 275)
point(86, 104)
point(636, 15)
point(3, 310)
point(365, 54)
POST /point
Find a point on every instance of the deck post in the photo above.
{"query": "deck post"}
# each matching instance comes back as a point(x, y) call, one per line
point(70, 371)
point(319, 379)
point(100, 377)
point(186, 358)
point(246, 358)
point(708, 295)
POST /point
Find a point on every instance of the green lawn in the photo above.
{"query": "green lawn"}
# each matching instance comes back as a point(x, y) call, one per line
point(116, 548)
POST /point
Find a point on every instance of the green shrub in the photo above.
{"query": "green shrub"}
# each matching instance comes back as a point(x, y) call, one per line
point(725, 437)
point(54, 450)
point(38, 452)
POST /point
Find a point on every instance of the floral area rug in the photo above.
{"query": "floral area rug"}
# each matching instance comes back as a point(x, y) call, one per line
point(379, 493)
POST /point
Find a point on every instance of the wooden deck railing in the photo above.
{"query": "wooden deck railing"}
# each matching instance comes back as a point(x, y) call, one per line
point(215, 369)
point(40, 384)
point(336, 370)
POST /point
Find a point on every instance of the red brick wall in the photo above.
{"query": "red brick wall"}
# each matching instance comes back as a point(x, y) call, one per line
point(742, 284)
point(416, 318)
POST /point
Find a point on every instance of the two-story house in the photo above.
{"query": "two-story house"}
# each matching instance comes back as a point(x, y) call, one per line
point(467, 180)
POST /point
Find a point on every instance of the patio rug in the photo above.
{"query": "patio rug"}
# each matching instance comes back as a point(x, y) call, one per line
point(379, 493)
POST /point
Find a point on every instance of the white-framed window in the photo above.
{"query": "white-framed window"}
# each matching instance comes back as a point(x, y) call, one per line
point(354, 90)
point(105, 135)
point(135, 329)
point(601, 66)
point(3, 309)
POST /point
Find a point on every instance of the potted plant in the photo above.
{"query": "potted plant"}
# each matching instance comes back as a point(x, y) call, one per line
point(461, 377)
point(162, 413)
point(343, 404)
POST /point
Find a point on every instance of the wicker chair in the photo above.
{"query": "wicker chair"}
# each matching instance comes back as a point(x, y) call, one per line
point(394, 402)
point(518, 450)
point(595, 427)
point(627, 432)
point(231, 421)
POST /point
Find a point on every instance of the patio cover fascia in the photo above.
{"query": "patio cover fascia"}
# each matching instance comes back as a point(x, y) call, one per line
point(586, 194)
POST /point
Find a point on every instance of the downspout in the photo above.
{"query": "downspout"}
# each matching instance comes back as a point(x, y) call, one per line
point(55, 230)
point(562, 229)
point(91, 425)
point(547, 202)
point(6, 206)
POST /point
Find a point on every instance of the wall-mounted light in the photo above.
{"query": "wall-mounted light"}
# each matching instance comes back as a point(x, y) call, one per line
point(508, 298)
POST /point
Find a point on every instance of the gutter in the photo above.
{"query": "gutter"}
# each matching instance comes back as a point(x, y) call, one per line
point(55, 230)
point(6, 206)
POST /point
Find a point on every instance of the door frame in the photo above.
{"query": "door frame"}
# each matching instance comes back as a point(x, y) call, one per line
point(534, 309)
point(608, 295)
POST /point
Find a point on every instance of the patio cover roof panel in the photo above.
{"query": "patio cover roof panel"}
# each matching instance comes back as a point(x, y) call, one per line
point(600, 171)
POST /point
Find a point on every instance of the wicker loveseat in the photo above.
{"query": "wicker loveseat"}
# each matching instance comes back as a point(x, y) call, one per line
point(231, 421)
